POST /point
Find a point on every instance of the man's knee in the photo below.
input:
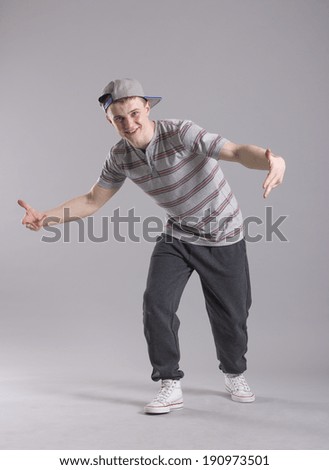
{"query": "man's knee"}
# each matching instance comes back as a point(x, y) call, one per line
point(155, 303)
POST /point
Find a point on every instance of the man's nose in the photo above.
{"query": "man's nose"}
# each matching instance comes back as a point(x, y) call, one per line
point(129, 122)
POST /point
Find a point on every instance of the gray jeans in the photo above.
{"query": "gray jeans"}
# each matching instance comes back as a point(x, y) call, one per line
point(224, 275)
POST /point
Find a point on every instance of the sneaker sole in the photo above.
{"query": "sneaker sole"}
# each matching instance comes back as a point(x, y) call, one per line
point(163, 410)
point(241, 399)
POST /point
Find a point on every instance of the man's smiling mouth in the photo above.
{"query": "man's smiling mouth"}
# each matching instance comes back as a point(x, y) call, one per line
point(132, 132)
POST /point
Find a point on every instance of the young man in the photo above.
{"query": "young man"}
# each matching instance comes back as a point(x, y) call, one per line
point(176, 163)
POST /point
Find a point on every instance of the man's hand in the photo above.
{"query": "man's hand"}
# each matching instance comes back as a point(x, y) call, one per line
point(256, 158)
point(32, 219)
point(276, 173)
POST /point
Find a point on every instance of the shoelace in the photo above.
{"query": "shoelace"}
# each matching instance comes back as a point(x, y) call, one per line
point(165, 391)
point(239, 383)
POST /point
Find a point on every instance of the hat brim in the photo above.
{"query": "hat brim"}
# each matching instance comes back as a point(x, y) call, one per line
point(153, 100)
point(106, 100)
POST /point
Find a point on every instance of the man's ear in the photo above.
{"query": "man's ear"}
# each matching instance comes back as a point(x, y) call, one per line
point(109, 119)
point(148, 107)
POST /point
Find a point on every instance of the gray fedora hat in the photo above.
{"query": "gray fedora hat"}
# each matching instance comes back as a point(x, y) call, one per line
point(123, 88)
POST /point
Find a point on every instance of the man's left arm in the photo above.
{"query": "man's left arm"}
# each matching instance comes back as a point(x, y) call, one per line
point(256, 158)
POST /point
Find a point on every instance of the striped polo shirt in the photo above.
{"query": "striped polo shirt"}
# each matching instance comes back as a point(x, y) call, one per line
point(181, 172)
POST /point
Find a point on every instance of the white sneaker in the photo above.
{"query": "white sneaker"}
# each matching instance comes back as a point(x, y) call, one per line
point(237, 386)
point(170, 397)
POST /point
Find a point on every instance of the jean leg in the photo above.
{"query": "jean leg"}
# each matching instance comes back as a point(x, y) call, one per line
point(224, 274)
point(168, 274)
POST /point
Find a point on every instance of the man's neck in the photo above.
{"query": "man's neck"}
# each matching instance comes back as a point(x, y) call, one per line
point(152, 130)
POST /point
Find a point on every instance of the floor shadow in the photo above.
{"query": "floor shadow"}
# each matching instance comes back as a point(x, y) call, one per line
point(205, 392)
point(108, 399)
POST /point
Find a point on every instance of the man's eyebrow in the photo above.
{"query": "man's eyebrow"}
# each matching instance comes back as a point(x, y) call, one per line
point(132, 111)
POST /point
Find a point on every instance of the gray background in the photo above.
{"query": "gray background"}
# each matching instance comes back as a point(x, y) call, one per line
point(74, 365)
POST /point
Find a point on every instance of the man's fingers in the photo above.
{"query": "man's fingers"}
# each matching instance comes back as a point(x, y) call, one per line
point(24, 204)
point(32, 217)
point(268, 180)
point(267, 191)
point(28, 219)
point(271, 185)
point(33, 221)
point(276, 173)
point(273, 176)
point(31, 226)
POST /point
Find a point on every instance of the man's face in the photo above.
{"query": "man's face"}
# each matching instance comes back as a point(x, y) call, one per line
point(131, 121)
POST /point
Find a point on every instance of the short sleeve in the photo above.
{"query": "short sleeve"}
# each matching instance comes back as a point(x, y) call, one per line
point(111, 176)
point(197, 140)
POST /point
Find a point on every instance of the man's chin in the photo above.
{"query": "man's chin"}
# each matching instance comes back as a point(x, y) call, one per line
point(134, 142)
point(131, 141)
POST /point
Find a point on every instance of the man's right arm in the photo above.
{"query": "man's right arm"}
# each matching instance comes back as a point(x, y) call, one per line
point(76, 208)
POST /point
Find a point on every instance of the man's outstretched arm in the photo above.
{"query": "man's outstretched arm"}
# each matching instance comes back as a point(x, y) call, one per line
point(78, 207)
point(256, 158)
